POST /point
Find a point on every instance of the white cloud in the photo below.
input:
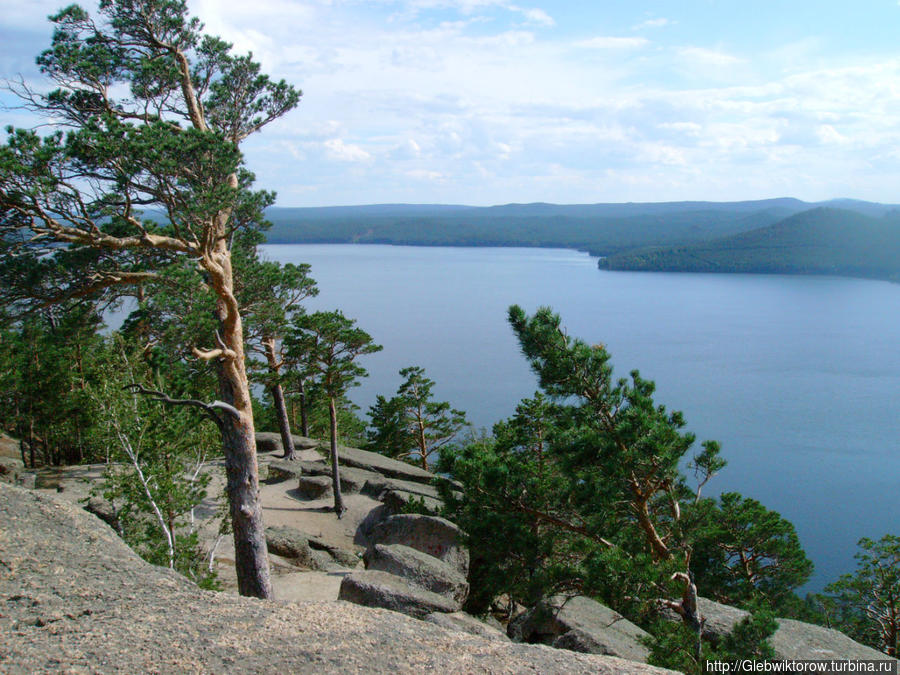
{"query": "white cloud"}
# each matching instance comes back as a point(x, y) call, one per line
point(345, 152)
point(536, 16)
point(828, 134)
point(32, 15)
point(426, 175)
point(652, 23)
point(603, 42)
point(439, 99)
point(706, 56)
point(409, 149)
point(688, 128)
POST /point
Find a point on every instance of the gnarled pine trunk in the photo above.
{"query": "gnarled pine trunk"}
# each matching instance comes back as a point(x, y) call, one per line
point(242, 485)
point(238, 438)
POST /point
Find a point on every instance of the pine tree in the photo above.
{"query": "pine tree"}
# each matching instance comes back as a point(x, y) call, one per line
point(270, 294)
point(170, 143)
point(743, 553)
point(867, 601)
point(329, 344)
point(410, 425)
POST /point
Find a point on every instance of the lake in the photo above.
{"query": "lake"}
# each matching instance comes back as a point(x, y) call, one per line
point(797, 377)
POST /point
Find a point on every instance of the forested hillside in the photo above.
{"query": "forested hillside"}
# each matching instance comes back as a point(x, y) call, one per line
point(842, 237)
point(818, 241)
point(602, 229)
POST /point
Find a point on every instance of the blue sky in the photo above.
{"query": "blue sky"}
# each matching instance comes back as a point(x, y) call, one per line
point(490, 102)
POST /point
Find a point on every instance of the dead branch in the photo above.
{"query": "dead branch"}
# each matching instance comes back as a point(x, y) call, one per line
point(211, 409)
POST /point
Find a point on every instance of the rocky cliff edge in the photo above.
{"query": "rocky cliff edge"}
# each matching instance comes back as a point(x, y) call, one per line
point(74, 598)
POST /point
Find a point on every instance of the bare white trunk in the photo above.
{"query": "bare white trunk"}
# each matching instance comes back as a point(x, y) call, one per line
point(161, 521)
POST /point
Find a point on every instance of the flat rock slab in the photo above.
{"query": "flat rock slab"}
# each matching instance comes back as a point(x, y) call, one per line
point(435, 536)
point(791, 640)
point(397, 501)
point(467, 623)
point(392, 468)
point(283, 469)
point(306, 551)
point(418, 568)
point(10, 469)
point(352, 479)
point(373, 588)
point(798, 640)
point(584, 625)
point(88, 604)
point(339, 555)
point(270, 442)
point(378, 485)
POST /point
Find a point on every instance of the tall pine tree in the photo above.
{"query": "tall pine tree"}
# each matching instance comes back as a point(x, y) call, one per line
point(154, 113)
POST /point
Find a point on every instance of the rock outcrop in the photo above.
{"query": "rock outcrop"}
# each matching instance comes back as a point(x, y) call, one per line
point(350, 457)
point(434, 536)
point(418, 568)
point(415, 564)
point(374, 588)
point(468, 624)
point(305, 551)
point(267, 441)
point(582, 625)
point(75, 598)
point(792, 639)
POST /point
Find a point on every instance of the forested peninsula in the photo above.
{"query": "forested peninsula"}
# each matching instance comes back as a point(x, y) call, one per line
point(785, 236)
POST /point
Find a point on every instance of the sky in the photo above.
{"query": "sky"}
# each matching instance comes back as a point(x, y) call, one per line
point(489, 102)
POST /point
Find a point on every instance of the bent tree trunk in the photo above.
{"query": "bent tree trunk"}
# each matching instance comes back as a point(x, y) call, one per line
point(284, 425)
point(304, 418)
point(238, 439)
point(335, 475)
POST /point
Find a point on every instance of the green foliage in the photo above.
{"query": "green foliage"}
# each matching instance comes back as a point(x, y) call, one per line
point(410, 425)
point(585, 486)
point(512, 488)
point(47, 363)
point(676, 646)
point(749, 638)
point(328, 344)
point(866, 603)
point(351, 425)
point(154, 114)
point(743, 552)
point(581, 491)
point(857, 239)
point(603, 229)
point(155, 477)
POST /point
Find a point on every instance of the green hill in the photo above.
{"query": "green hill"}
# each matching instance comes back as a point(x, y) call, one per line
point(602, 229)
point(817, 241)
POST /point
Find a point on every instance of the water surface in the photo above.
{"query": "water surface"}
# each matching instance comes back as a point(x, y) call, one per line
point(797, 377)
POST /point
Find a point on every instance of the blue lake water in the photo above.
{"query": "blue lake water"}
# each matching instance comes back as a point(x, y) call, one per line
point(797, 377)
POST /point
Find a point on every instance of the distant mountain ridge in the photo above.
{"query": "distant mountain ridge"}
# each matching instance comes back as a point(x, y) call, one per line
point(841, 236)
